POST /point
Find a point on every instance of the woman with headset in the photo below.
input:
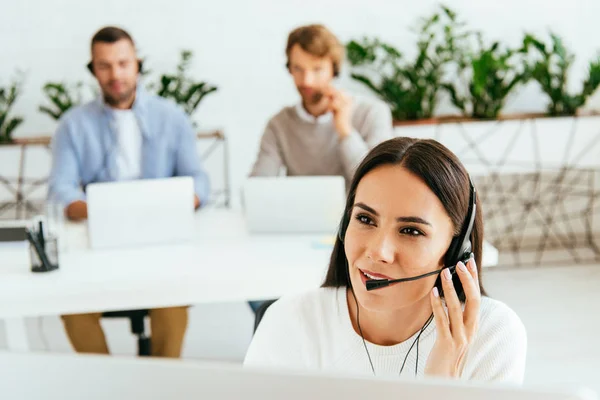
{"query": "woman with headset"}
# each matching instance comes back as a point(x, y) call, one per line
point(403, 293)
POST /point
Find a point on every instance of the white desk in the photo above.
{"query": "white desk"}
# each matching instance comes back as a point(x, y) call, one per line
point(223, 264)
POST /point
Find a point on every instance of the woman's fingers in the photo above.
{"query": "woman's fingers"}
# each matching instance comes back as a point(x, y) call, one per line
point(455, 312)
point(470, 284)
point(455, 328)
point(439, 315)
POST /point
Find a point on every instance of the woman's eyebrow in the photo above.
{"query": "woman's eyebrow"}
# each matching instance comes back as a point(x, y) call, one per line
point(413, 219)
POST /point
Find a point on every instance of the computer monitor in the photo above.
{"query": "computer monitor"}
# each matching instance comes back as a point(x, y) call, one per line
point(76, 377)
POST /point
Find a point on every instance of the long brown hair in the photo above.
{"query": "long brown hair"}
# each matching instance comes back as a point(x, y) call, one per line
point(441, 171)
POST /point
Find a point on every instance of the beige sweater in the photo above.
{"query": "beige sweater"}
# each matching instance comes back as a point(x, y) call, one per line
point(303, 147)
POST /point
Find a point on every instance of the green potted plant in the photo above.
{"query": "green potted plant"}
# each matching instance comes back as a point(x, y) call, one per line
point(549, 65)
point(410, 87)
point(486, 77)
point(181, 88)
point(62, 97)
point(8, 96)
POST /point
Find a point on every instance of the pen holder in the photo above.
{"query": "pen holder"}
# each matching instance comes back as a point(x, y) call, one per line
point(51, 250)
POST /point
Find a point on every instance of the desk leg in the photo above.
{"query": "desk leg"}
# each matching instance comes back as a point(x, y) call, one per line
point(16, 334)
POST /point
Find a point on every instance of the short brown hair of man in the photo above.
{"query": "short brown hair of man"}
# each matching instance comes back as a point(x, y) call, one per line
point(111, 34)
point(317, 40)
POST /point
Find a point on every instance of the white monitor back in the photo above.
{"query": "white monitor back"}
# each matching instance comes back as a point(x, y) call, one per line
point(141, 212)
point(76, 377)
point(298, 204)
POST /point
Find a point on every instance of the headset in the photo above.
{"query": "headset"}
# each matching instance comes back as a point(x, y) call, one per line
point(460, 248)
point(90, 67)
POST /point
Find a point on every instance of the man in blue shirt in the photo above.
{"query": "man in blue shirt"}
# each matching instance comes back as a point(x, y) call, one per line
point(125, 134)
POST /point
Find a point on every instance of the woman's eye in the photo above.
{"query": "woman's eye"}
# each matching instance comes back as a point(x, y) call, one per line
point(411, 232)
point(364, 219)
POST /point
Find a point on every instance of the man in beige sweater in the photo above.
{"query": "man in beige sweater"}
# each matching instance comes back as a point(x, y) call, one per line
point(328, 132)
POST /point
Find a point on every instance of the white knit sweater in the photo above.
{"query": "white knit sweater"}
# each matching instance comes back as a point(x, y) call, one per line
point(313, 331)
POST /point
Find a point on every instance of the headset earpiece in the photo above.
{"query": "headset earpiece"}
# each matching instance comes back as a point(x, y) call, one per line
point(460, 248)
point(90, 66)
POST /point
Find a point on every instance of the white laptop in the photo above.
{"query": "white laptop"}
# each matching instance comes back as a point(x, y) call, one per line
point(298, 204)
point(75, 377)
point(141, 212)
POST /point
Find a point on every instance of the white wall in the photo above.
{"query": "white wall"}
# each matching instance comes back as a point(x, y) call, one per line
point(239, 47)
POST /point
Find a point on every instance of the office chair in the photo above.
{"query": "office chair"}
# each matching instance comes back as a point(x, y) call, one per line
point(260, 312)
point(136, 317)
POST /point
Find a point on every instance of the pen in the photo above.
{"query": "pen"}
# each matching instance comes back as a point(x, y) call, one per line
point(41, 235)
point(39, 250)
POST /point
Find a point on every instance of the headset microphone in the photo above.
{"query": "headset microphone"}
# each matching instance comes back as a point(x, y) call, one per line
point(373, 284)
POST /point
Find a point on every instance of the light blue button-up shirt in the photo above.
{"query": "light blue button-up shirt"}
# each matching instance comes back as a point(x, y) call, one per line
point(85, 146)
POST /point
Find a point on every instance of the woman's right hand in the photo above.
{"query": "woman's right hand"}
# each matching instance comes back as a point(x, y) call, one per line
point(456, 328)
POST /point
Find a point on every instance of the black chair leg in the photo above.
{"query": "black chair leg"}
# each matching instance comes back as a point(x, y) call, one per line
point(136, 318)
point(137, 328)
point(144, 346)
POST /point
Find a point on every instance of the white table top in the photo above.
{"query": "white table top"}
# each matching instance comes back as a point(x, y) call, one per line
point(224, 263)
